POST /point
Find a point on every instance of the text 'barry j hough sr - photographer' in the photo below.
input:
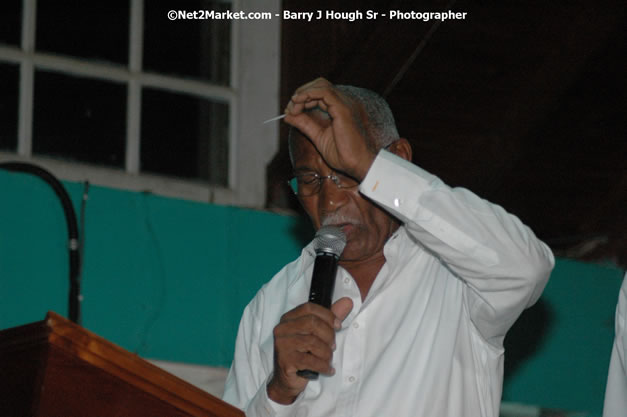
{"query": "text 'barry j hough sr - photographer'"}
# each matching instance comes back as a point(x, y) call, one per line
point(373, 15)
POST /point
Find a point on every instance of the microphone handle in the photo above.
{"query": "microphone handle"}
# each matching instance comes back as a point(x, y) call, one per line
point(321, 291)
point(323, 279)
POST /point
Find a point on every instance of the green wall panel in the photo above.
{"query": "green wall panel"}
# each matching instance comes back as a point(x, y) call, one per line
point(163, 278)
point(33, 251)
point(571, 331)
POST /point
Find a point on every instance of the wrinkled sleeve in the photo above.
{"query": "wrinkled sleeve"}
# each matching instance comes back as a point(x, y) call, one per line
point(248, 376)
point(246, 373)
point(505, 266)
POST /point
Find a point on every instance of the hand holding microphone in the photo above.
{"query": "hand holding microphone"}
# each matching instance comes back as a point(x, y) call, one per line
point(304, 338)
point(328, 244)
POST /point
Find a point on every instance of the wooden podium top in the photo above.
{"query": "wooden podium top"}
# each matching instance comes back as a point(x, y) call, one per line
point(98, 368)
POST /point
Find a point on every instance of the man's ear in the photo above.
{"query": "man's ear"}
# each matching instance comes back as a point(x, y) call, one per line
point(402, 148)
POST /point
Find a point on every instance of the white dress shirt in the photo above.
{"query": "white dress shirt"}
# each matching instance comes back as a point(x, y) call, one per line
point(616, 391)
point(428, 338)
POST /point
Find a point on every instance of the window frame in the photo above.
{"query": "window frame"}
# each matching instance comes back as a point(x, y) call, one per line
point(251, 98)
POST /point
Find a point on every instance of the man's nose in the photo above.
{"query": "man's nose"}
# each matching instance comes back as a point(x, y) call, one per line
point(331, 196)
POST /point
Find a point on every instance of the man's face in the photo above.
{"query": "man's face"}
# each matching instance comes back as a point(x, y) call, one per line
point(367, 227)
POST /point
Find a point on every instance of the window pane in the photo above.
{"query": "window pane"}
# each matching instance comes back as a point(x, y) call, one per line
point(79, 119)
point(86, 29)
point(11, 22)
point(197, 48)
point(9, 82)
point(184, 136)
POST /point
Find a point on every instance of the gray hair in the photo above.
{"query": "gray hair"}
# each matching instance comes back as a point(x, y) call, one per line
point(380, 129)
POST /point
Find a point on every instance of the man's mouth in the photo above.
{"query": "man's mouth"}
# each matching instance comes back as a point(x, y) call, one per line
point(345, 223)
point(347, 228)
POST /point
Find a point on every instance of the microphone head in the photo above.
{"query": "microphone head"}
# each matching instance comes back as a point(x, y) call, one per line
point(329, 239)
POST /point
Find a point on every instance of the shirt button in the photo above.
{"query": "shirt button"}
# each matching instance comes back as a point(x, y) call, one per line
point(347, 280)
point(351, 379)
point(355, 325)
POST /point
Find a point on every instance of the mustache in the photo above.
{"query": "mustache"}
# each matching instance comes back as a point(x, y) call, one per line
point(338, 218)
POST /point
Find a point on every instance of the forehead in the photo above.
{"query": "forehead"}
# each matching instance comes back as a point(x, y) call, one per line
point(305, 157)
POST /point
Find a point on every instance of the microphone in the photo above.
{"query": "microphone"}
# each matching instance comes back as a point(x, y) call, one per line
point(328, 243)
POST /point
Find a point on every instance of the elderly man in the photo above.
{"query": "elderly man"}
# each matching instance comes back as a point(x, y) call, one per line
point(431, 279)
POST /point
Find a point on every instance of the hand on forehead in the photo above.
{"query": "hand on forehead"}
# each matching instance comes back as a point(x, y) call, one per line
point(341, 140)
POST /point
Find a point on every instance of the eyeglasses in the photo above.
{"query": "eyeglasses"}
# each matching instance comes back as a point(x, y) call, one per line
point(310, 183)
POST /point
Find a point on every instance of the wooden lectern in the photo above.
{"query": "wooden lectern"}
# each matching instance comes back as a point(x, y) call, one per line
point(56, 368)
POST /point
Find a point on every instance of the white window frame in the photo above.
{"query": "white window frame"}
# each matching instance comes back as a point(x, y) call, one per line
point(253, 96)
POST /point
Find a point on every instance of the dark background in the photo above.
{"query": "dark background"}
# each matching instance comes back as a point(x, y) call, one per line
point(522, 102)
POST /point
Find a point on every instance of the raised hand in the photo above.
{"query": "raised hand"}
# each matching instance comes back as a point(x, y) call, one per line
point(342, 142)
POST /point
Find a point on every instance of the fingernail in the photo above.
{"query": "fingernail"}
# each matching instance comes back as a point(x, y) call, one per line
point(332, 371)
point(337, 324)
point(333, 346)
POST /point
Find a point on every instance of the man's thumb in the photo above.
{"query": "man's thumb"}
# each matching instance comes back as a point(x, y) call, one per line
point(341, 308)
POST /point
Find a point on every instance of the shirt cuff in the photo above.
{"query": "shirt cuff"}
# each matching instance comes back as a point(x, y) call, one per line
point(262, 406)
point(396, 184)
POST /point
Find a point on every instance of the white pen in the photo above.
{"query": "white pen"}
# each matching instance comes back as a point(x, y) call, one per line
point(273, 119)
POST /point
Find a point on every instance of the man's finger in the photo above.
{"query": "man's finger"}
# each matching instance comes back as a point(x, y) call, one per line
point(318, 82)
point(326, 98)
point(306, 125)
point(308, 309)
point(307, 326)
point(341, 308)
point(310, 362)
point(313, 345)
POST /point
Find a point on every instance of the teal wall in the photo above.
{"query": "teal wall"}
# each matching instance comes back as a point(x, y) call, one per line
point(568, 339)
point(163, 278)
point(168, 279)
